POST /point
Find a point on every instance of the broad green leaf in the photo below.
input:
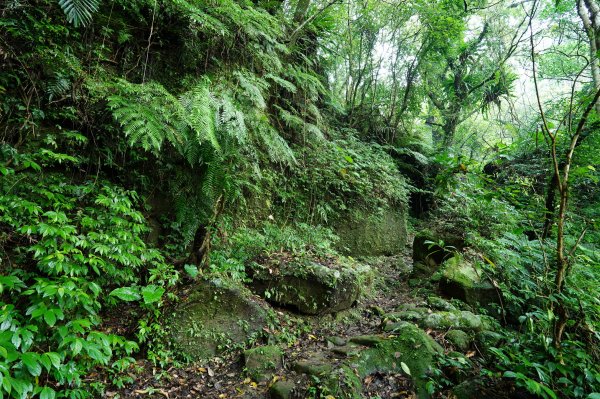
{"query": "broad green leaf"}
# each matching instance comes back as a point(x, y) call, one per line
point(192, 270)
point(152, 293)
point(30, 360)
point(47, 393)
point(405, 368)
point(126, 293)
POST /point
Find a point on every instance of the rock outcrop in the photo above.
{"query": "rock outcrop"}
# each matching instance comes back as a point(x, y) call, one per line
point(214, 315)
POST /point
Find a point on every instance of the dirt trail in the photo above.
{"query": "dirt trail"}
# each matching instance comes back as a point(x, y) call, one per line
point(224, 377)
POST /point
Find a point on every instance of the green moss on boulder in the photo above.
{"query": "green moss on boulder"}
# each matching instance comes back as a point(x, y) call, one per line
point(312, 288)
point(429, 252)
point(281, 390)
point(214, 315)
point(372, 235)
point(262, 362)
point(459, 339)
point(462, 280)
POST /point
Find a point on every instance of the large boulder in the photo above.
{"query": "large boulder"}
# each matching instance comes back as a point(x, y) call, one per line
point(213, 316)
point(462, 280)
point(364, 234)
point(310, 287)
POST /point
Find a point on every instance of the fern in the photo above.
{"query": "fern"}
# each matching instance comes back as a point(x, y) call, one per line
point(79, 12)
point(253, 88)
point(199, 114)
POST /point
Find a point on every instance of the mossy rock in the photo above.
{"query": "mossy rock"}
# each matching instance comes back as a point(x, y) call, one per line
point(409, 345)
point(262, 362)
point(461, 280)
point(438, 303)
point(363, 234)
point(281, 390)
point(427, 256)
point(316, 365)
point(459, 339)
point(461, 320)
point(312, 288)
point(214, 315)
point(412, 346)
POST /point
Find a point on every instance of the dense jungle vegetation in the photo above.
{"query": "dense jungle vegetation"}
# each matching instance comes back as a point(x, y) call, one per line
point(283, 156)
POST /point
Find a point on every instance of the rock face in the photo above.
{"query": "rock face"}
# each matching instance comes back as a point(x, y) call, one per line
point(373, 235)
point(461, 280)
point(262, 362)
point(214, 315)
point(310, 287)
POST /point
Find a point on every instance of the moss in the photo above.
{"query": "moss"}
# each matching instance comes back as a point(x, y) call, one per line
point(372, 235)
point(281, 390)
point(344, 383)
point(459, 339)
point(462, 320)
point(412, 346)
point(462, 280)
point(312, 288)
point(263, 362)
point(216, 314)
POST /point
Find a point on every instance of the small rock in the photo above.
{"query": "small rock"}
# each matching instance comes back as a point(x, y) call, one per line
point(377, 310)
point(345, 351)
point(393, 326)
point(367, 340)
point(317, 365)
point(463, 320)
point(438, 303)
point(459, 339)
point(337, 341)
point(263, 362)
point(407, 315)
point(281, 390)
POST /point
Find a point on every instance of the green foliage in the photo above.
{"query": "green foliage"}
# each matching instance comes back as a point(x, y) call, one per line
point(232, 254)
point(341, 175)
point(64, 247)
point(79, 12)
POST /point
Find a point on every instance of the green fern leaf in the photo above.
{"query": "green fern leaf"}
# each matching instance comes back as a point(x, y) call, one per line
point(79, 12)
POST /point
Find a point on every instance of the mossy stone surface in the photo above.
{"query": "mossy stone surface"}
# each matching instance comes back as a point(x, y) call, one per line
point(281, 390)
point(438, 303)
point(363, 234)
point(462, 280)
point(262, 362)
point(411, 346)
point(215, 314)
point(459, 339)
point(368, 340)
point(462, 320)
point(312, 288)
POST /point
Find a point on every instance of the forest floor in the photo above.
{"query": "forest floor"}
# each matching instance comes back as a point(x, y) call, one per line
point(224, 376)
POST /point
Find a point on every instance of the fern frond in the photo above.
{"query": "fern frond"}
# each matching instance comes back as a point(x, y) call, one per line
point(79, 12)
point(199, 113)
point(252, 88)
